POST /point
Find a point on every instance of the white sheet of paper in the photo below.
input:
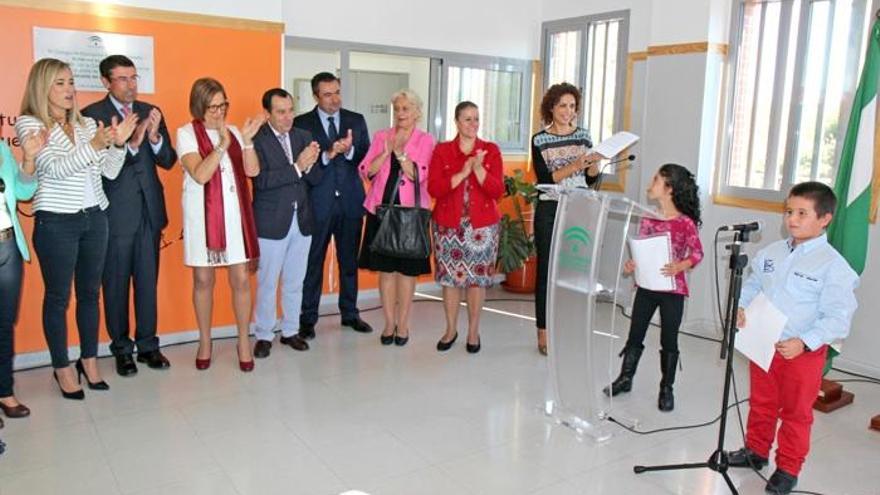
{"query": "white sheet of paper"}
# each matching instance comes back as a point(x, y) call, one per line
point(764, 324)
point(651, 254)
point(612, 146)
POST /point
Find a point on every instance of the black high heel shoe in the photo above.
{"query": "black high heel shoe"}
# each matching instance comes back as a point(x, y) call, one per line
point(388, 339)
point(78, 395)
point(474, 348)
point(445, 346)
point(398, 340)
point(80, 371)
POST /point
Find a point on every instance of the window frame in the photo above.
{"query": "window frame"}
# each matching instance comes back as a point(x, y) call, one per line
point(435, 101)
point(582, 24)
point(766, 194)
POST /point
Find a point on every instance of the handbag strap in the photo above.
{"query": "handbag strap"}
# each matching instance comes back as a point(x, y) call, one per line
point(396, 191)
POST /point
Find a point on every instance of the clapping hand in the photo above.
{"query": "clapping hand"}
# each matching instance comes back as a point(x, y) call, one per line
point(121, 131)
point(138, 136)
point(103, 136)
point(250, 127)
point(33, 143)
point(155, 119)
point(342, 146)
point(224, 135)
point(307, 157)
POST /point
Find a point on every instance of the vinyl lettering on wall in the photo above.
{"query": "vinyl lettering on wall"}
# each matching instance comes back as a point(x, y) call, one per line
point(84, 50)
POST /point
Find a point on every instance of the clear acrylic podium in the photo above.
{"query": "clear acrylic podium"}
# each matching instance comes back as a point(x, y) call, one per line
point(585, 331)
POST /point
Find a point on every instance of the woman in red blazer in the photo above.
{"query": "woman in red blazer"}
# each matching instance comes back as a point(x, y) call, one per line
point(466, 179)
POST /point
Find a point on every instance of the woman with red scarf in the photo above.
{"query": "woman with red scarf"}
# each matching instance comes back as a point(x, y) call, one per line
point(218, 220)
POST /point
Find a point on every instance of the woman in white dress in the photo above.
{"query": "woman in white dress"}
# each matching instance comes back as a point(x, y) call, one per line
point(218, 220)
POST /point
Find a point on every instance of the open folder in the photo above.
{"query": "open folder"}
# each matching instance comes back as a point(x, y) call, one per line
point(651, 254)
point(612, 146)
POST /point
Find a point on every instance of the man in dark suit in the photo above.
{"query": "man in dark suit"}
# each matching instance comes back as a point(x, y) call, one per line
point(337, 201)
point(136, 217)
point(283, 214)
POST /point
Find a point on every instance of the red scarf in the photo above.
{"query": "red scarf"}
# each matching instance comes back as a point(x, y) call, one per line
point(215, 223)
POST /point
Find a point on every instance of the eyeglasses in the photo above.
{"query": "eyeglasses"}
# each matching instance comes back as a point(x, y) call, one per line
point(126, 79)
point(222, 107)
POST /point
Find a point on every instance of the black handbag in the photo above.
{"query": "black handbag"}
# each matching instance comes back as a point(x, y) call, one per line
point(403, 230)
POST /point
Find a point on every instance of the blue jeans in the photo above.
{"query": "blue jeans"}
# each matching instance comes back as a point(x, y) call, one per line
point(10, 292)
point(71, 247)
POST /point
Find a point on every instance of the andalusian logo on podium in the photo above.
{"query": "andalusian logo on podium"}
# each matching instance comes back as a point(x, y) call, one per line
point(574, 253)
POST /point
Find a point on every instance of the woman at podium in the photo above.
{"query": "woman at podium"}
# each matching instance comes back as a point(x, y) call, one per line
point(561, 155)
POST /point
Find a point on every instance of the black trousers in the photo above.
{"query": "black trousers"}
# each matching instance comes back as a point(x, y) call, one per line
point(132, 260)
point(10, 293)
point(545, 216)
point(671, 310)
point(346, 233)
point(71, 248)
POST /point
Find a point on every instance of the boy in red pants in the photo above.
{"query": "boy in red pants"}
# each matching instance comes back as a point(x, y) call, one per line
point(809, 281)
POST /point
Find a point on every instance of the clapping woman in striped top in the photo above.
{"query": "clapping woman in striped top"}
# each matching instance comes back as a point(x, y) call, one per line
point(70, 232)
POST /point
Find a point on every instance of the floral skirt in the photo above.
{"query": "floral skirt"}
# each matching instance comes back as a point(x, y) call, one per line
point(465, 256)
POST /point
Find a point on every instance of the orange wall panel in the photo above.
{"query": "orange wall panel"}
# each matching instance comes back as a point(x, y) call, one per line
point(247, 62)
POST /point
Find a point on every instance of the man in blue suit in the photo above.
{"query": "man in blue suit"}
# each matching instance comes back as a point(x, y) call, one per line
point(136, 216)
point(337, 201)
point(283, 214)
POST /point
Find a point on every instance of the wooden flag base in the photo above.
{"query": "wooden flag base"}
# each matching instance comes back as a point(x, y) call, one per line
point(832, 396)
point(875, 422)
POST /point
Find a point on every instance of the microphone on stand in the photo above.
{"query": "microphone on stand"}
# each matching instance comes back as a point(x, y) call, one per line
point(756, 226)
point(630, 158)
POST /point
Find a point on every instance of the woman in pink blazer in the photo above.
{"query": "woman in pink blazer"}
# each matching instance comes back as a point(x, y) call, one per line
point(398, 154)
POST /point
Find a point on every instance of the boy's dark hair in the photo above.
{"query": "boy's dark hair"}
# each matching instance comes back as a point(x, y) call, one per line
point(272, 93)
point(685, 192)
point(112, 62)
point(322, 77)
point(824, 200)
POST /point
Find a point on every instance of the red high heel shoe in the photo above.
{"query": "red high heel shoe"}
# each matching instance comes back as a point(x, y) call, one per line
point(203, 364)
point(246, 366)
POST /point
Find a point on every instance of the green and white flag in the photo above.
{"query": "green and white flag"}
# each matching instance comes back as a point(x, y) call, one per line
point(848, 231)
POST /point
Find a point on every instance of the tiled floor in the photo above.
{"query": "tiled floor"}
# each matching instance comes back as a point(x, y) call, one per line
point(353, 415)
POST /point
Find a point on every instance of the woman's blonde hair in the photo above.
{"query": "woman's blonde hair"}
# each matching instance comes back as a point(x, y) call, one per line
point(410, 96)
point(35, 101)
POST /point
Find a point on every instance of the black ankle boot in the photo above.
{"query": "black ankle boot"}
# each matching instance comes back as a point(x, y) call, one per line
point(668, 362)
point(623, 383)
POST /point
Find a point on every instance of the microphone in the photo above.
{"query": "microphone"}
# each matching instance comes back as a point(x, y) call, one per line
point(598, 183)
point(629, 158)
point(743, 227)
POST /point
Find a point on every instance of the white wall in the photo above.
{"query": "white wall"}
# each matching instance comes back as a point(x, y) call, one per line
point(264, 10)
point(505, 28)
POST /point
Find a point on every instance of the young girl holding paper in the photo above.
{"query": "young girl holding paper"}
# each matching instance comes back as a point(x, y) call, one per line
point(674, 188)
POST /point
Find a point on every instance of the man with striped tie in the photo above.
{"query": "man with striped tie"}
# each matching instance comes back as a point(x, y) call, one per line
point(283, 214)
point(136, 218)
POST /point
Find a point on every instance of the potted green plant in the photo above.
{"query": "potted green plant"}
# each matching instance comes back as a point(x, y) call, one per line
point(516, 246)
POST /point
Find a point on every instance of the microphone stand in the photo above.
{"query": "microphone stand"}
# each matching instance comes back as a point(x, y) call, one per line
point(718, 461)
point(601, 175)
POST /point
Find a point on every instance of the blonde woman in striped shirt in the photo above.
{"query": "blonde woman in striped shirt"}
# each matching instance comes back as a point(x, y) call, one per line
point(70, 232)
